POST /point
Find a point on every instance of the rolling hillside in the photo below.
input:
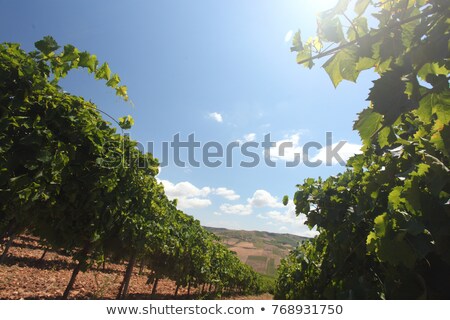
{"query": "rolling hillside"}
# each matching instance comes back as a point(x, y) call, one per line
point(261, 250)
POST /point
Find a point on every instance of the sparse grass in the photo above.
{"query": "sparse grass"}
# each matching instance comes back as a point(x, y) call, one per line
point(258, 263)
point(257, 259)
point(259, 244)
point(271, 268)
point(277, 252)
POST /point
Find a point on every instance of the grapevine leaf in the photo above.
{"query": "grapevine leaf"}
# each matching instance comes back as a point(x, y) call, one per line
point(330, 30)
point(339, 8)
point(386, 137)
point(424, 111)
point(361, 6)
point(47, 45)
point(432, 68)
point(69, 54)
point(395, 198)
point(358, 30)
point(285, 200)
point(380, 225)
point(305, 55)
point(122, 91)
point(365, 63)
point(367, 124)
point(342, 66)
point(297, 44)
point(103, 72)
point(388, 96)
point(88, 61)
point(396, 252)
point(126, 122)
point(114, 81)
point(441, 109)
point(422, 169)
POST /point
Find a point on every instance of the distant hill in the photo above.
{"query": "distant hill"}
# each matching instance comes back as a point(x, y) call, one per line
point(261, 250)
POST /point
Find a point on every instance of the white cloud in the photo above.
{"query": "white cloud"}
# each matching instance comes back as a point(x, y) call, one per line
point(237, 209)
point(262, 198)
point(309, 233)
point(247, 138)
point(250, 137)
point(184, 189)
point(226, 193)
point(287, 149)
point(288, 36)
point(188, 203)
point(188, 195)
point(285, 217)
point(347, 151)
point(283, 229)
point(216, 116)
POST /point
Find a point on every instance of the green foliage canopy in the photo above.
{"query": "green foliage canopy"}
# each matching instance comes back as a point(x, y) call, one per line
point(69, 178)
point(385, 222)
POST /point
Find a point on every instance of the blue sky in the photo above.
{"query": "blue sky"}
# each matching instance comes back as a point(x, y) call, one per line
point(221, 70)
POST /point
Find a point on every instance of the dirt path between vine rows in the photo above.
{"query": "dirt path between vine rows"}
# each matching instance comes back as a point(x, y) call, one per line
point(24, 276)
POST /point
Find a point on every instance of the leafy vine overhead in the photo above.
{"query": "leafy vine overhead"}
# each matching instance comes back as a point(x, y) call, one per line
point(385, 222)
point(71, 58)
point(408, 47)
point(67, 177)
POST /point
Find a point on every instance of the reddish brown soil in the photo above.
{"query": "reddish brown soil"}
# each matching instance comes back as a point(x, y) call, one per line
point(24, 276)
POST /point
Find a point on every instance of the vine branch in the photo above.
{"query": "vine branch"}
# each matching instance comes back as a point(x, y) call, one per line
point(380, 31)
